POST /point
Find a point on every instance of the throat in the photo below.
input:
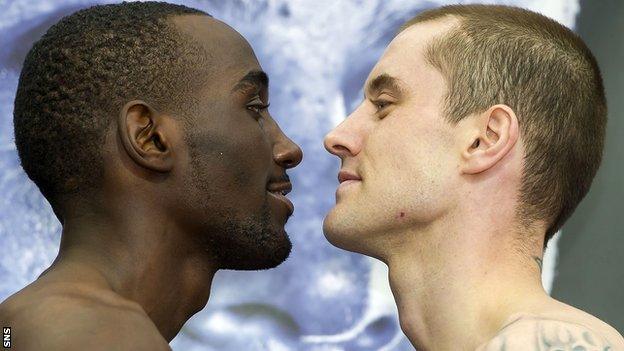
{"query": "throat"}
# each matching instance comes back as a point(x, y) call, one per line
point(443, 305)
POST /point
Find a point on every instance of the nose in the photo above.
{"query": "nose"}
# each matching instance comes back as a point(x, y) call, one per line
point(344, 140)
point(287, 153)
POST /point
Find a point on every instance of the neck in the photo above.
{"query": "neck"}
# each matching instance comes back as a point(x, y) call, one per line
point(460, 294)
point(148, 261)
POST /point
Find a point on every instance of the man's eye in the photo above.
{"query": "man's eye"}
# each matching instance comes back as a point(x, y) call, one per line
point(257, 107)
point(380, 104)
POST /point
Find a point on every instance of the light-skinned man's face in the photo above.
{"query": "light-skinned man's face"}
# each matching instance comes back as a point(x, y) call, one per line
point(235, 173)
point(397, 146)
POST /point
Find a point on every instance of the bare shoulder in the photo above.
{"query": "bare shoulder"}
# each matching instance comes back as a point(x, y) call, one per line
point(540, 333)
point(62, 319)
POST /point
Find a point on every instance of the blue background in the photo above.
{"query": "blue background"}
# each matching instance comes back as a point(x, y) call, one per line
point(317, 54)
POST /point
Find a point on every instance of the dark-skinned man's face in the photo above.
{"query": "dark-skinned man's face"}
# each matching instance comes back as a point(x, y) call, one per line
point(237, 154)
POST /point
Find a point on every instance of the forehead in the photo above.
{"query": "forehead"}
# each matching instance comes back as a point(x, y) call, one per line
point(229, 55)
point(404, 57)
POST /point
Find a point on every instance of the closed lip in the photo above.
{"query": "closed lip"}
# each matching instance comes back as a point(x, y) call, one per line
point(347, 175)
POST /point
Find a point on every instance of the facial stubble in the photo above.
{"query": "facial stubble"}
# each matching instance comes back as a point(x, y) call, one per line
point(235, 240)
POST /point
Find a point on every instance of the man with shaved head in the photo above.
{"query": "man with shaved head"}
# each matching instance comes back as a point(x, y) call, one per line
point(481, 130)
point(145, 126)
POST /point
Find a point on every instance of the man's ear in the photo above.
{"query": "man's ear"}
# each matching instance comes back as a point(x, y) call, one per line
point(496, 134)
point(144, 137)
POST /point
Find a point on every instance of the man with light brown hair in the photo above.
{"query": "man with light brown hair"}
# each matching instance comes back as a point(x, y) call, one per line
point(481, 130)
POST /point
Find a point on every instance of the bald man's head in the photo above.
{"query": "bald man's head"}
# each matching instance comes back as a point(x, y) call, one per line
point(78, 76)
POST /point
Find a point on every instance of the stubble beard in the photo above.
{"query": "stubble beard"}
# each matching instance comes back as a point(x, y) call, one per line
point(252, 243)
point(248, 243)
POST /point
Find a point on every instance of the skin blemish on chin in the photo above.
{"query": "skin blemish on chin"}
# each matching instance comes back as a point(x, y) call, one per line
point(400, 215)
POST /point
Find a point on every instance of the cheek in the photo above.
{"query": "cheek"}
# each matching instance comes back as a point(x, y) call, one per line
point(397, 153)
point(412, 171)
point(249, 160)
point(236, 162)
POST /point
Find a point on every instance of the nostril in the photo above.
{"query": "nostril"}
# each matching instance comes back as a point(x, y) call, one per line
point(338, 149)
point(335, 145)
point(290, 158)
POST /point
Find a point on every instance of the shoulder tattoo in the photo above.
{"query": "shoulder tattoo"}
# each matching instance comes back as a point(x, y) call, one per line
point(547, 335)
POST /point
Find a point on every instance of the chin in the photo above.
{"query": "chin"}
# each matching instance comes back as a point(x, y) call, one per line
point(274, 255)
point(252, 242)
point(350, 233)
point(332, 232)
point(267, 254)
point(342, 234)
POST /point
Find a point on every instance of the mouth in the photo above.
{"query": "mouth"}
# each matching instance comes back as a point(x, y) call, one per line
point(279, 192)
point(347, 176)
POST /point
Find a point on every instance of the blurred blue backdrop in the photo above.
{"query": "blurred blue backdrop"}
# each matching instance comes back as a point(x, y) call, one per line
point(317, 54)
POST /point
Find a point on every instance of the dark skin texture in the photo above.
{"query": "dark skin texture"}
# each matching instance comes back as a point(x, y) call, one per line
point(138, 256)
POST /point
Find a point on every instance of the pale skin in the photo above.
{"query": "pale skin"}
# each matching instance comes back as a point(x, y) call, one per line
point(131, 269)
point(436, 202)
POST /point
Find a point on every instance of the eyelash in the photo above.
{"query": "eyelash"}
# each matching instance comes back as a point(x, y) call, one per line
point(380, 104)
point(258, 108)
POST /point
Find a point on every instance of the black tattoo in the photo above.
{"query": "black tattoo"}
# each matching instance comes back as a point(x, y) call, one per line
point(546, 335)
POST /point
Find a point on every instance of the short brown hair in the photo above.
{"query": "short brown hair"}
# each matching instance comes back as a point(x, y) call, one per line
point(548, 76)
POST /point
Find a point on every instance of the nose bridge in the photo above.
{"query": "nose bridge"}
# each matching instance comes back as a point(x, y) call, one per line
point(286, 152)
point(348, 137)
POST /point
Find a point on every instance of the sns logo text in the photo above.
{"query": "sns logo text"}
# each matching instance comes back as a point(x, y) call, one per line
point(6, 337)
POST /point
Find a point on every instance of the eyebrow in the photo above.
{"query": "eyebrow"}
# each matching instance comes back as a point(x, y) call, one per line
point(258, 78)
point(384, 81)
